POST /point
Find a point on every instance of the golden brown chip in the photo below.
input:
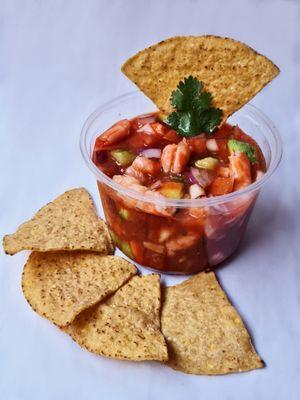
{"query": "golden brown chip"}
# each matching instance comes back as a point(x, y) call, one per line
point(70, 222)
point(204, 333)
point(59, 285)
point(231, 71)
point(125, 326)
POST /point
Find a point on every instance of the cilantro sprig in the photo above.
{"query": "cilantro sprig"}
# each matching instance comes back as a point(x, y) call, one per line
point(236, 145)
point(194, 113)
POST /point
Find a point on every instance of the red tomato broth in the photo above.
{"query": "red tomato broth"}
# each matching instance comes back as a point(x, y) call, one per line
point(190, 240)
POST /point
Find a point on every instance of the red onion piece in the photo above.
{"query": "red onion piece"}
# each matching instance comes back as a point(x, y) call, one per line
point(202, 177)
point(151, 153)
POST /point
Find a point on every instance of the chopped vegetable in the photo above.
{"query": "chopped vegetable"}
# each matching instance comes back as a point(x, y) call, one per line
point(101, 156)
point(173, 190)
point(159, 129)
point(114, 237)
point(196, 191)
point(212, 145)
point(157, 248)
point(137, 249)
point(259, 175)
point(194, 113)
point(124, 213)
point(164, 234)
point(221, 186)
point(151, 153)
point(123, 157)
point(197, 145)
point(207, 163)
point(235, 145)
point(202, 177)
point(125, 247)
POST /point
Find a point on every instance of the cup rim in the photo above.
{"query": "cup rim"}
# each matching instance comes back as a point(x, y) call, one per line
point(276, 154)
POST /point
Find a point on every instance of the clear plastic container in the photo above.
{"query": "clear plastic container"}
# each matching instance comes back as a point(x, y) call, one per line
point(204, 232)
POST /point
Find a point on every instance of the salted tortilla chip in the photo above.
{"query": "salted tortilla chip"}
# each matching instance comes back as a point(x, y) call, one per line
point(59, 285)
point(231, 71)
point(204, 333)
point(70, 222)
point(127, 325)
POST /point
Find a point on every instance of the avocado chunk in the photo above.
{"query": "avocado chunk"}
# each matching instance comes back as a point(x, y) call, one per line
point(123, 157)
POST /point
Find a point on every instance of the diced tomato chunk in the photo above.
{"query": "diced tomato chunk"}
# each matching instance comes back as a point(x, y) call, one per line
point(221, 186)
point(137, 249)
point(172, 136)
point(198, 145)
point(159, 129)
point(224, 132)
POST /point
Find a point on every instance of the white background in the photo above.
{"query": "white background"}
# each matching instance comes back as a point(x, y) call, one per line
point(59, 60)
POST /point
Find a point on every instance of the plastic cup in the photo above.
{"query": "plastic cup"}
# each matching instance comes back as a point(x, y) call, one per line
point(203, 232)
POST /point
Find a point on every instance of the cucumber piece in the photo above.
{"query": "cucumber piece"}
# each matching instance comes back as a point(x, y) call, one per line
point(172, 190)
point(125, 247)
point(123, 157)
point(124, 213)
point(114, 237)
point(207, 163)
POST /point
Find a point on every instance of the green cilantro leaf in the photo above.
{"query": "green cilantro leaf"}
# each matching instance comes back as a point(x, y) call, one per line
point(194, 113)
point(235, 145)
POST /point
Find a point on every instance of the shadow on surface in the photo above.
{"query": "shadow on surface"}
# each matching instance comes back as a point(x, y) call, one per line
point(269, 219)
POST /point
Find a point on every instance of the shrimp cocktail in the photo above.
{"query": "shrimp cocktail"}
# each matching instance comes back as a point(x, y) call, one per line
point(178, 184)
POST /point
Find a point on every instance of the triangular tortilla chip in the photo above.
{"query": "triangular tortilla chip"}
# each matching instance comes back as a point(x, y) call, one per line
point(204, 333)
point(70, 222)
point(59, 285)
point(127, 325)
point(231, 71)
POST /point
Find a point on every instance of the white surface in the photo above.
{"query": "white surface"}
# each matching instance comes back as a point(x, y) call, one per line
point(59, 61)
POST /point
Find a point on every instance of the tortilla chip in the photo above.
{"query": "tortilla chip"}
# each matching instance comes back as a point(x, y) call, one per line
point(59, 285)
point(204, 333)
point(231, 71)
point(70, 222)
point(125, 326)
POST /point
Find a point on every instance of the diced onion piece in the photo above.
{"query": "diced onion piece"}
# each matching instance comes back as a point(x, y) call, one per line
point(196, 191)
point(212, 145)
point(146, 129)
point(157, 248)
point(164, 234)
point(145, 119)
point(259, 175)
point(202, 177)
point(151, 153)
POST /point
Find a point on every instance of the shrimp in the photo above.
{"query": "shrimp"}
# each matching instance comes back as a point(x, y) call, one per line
point(175, 157)
point(142, 166)
point(181, 243)
point(117, 132)
point(240, 170)
point(132, 183)
point(167, 157)
point(132, 172)
point(146, 165)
